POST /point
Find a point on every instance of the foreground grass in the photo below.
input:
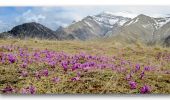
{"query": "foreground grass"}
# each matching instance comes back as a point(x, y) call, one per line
point(98, 81)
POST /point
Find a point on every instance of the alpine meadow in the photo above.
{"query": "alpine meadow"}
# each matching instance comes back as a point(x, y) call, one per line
point(85, 50)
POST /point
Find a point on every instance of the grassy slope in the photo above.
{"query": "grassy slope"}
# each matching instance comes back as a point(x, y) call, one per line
point(95, 81)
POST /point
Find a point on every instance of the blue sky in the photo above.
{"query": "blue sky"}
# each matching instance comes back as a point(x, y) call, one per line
point(53, 17)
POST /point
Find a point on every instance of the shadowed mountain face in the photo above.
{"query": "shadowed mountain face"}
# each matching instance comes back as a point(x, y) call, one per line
point(62, 35)
point(167, 41)
point(141, 28)
point(32, 30)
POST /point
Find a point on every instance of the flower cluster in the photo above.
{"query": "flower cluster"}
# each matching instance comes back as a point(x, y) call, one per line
point(49, 61)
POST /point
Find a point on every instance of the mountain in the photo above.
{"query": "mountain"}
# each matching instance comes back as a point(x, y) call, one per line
point(95, 26)
point(163, 34)
point(141, 28)
point(32, 30)
point(109, 19)
point(144, 28)
point(167, 41)
point(63, 35)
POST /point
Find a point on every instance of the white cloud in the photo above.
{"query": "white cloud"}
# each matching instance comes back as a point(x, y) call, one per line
point(36, 18)
point(4, 26)
point(131, 11)
point(125, 14)
point(29, 16)
point(51, 17)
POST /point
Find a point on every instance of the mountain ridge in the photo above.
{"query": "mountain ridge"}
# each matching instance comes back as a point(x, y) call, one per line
point(142, 27)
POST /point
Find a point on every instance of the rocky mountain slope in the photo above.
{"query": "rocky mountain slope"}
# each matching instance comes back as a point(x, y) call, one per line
point(95, 26)
point(144, 28)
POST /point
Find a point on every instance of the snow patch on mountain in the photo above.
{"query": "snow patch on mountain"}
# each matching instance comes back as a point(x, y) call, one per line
point(136, 20)
point(122, 22)
point(146, 26)
point(88, 24)
point(109, 19)
point(132, 22)
point(163, 21)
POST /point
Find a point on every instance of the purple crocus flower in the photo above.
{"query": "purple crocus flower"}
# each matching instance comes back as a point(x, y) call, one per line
point(78, 74)
point(75, 66)
point(55, 79)
point(37, 75)
point(24, 65)
point(45, 72)
point(24, 91)
point(123, 62)
point(24, 73)
point(133, 85)
point(145, 89)
point(8, 89)
point(52, 64)
point(128, 77)
point(167, 72)
point(11, 58)
point(32, 89)
point(64, 65)
point(147, 68)
point(137, 67)
point(142, 75)
point(29, 90)
point(76, 78)
point(3, 58)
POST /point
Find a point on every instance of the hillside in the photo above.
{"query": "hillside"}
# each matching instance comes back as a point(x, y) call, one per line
point(82, 67)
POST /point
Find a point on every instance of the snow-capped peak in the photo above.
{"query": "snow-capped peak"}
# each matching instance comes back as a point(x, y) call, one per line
point(108, 18)
point(132, 21)
point(162, 21)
